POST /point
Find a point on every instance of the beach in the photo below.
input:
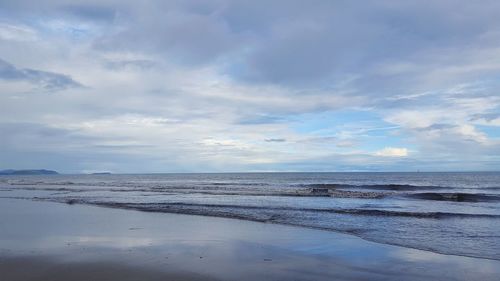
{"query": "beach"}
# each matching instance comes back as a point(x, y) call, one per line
point(55, 241)
point(249, 140)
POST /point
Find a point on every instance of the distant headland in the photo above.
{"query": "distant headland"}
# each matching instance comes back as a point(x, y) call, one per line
point(28, 172)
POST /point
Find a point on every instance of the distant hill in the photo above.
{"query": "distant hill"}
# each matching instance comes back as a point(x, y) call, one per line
point(101, 173)
point(28, 172)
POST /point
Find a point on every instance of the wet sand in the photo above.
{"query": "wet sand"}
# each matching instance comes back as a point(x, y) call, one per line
point(44, 269)
point(53, 241)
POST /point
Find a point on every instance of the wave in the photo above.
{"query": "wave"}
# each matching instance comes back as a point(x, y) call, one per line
point(310, 192)
point(431, 215)
point(456, 197)
point(36, 183)
point(237, 184)
point(241, 185)
point(391, 187)
point(175, 189)
point(232, 210)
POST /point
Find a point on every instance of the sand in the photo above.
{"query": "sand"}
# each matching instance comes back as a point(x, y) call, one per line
point(53, 241)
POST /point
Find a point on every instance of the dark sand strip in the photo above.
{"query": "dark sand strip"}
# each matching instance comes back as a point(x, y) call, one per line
point(45, 269)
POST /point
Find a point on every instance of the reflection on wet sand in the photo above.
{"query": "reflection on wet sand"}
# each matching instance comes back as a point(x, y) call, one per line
point(57, 240)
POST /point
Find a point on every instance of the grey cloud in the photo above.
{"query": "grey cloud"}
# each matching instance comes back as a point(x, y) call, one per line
point(91, 12)
point(124, 64)
point(38, 145)
point(122, 147)
point(316, 44)
point(292, 42)
point(260, 119)
point(326, 139)
point(48, 80)
point(437, 127)
point(275, 140)
point(9, 72)
point(28, 134)
point(179, 36)
point(485, 116)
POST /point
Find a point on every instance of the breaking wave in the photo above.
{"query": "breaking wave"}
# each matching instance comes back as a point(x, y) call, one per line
point(208, 209)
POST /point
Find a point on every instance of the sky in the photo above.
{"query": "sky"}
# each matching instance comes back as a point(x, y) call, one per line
point(247, 86)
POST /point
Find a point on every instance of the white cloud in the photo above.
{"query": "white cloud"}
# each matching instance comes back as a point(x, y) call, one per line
point(392, 152)
point(17, 32)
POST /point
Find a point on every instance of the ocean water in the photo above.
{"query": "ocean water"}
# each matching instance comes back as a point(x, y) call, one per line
point(449, 213)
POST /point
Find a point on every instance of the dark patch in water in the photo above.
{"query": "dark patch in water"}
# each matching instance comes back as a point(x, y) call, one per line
point(456, 197)
point(72, 201)
point(389, 187)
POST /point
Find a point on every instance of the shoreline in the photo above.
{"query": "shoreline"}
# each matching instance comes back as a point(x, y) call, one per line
point(242, 218)
point(103, 242)
point(281, 223)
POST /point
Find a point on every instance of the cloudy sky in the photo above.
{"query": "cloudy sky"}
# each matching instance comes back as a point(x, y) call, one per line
point(283, 85)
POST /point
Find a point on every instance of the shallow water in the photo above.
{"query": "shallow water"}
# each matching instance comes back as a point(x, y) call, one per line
point(451, 213)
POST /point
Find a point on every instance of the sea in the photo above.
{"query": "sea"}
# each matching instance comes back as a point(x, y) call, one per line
point(455, 213)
